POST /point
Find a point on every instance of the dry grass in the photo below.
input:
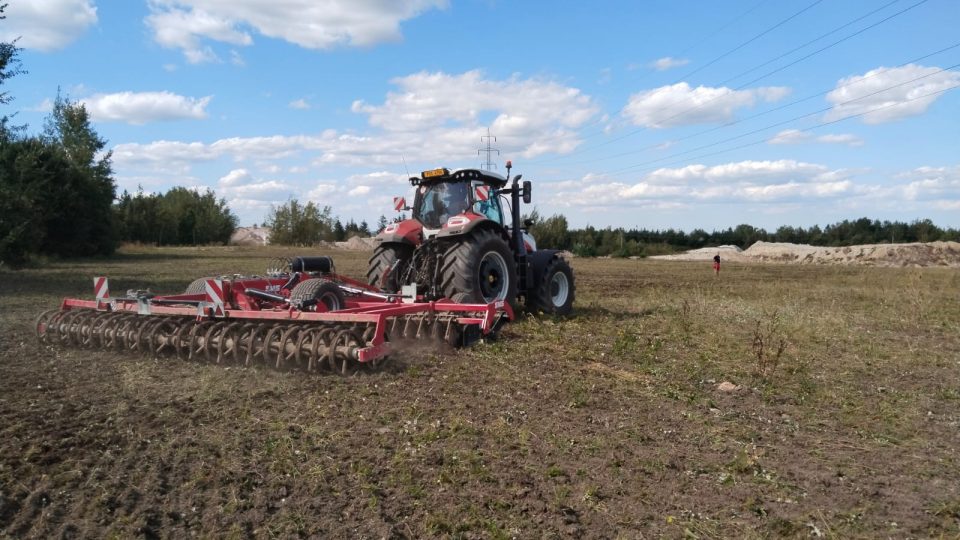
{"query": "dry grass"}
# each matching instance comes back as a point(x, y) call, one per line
point(605, 424)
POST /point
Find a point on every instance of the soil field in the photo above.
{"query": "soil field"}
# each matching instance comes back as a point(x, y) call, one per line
point(613, 423)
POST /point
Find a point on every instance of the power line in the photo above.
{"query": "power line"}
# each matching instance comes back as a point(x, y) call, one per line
point(814, 40)
point(722, 28)
point(764, 113)
point(727, 53)
point(818, 51)
point(751, 40)
point(761, 141)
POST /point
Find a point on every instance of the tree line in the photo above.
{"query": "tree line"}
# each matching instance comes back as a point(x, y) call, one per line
point(590, 241)
point(296, 224)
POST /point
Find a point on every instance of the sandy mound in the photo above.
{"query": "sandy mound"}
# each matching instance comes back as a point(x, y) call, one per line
point(727, 253)
point(250, 236)
point(899, 255)
point(356, 243)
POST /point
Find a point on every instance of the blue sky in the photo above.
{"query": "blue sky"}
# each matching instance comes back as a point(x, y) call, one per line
point(651, 114)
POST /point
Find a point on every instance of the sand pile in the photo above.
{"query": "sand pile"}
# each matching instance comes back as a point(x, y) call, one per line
point(357, 243)
point(727, 253)
point(898, 255)
point(250, 236)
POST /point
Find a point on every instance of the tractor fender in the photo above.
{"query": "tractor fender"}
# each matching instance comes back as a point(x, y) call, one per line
point(470, 223)
point(407, 232)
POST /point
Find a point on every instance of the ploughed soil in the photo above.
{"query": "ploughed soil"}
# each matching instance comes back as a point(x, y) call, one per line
point(612, 423)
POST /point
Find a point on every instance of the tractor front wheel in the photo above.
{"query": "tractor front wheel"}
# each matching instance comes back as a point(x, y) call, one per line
point(387, 265)
point(554, 292)
point(479, 269)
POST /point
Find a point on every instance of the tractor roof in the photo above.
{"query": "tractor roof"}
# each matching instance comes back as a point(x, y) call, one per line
point(445, 175)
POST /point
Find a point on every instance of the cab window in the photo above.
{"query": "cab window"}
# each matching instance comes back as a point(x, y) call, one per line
point(490, 207)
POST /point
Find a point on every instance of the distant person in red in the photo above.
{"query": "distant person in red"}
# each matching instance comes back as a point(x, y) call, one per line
point(716, 263)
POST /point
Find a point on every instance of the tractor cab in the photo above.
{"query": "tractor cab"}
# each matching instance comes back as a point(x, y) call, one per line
point(445, 198)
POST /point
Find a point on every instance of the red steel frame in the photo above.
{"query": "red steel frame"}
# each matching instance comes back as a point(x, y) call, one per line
point(377, 312)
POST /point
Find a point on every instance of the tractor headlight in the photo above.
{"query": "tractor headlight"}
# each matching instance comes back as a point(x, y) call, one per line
point(457, 221)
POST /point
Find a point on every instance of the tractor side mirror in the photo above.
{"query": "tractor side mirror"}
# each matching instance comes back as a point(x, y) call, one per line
point(527, 188)
point(528, 223)
point(400, 204)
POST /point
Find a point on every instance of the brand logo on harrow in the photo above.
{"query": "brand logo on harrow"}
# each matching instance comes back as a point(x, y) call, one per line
point(482, 193)
point(101, 288)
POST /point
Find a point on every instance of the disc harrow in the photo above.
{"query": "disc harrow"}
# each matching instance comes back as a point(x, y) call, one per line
point(336, 342)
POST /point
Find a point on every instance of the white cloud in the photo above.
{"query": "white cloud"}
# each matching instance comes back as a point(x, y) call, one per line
point(744, 181)
point(235, 177)
point(313, 24)
point(47, 25)
point(379, 178)
point(932, 183)
point(542, 113)
point(865, 94)
point(795, 136)
point(668, 62)
point(144, 107)
point(322, 191)
point(239, 184)
point(299, 104)
point(44, 106)
point(359, 191)
point(437, 120)
point(679, 104)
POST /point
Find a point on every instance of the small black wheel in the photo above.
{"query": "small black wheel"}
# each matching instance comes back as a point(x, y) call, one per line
point(555, 291)
point(324, 291)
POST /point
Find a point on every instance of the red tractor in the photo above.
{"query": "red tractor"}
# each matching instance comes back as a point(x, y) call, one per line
point(451, 274)
point(460, 244)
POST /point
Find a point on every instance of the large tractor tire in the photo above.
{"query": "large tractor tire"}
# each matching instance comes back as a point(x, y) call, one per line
point(479, 269)
point(553, 291)
point(384, 258)
point(323, 291)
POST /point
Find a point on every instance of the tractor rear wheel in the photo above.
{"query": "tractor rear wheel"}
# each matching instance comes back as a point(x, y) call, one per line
point(383, 269)
point(554, 292)
point(479, 269)
point(323, 291)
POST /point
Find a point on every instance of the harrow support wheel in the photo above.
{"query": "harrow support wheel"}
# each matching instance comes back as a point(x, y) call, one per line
point(197, 286)
point(325, 292)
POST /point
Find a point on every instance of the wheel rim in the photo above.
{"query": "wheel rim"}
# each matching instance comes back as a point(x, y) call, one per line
point(559, 289)
point(331, 301)
point(494, 277)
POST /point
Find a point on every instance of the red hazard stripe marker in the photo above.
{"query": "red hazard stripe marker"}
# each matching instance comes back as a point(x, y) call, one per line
point(482, 193)
point(101, 288)
point(214, 291)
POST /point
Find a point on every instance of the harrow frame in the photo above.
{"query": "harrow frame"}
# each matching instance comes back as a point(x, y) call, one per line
point(364, 332)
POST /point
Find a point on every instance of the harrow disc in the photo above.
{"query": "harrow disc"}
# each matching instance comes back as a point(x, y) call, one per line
point(332, 347)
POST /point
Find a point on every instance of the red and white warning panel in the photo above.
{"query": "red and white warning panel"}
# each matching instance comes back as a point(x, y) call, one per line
point(399, 203)
point(215, 295)
point(482, 193)
point(101, 289)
